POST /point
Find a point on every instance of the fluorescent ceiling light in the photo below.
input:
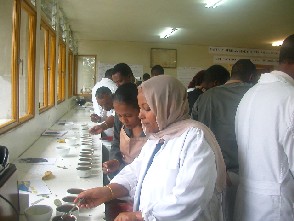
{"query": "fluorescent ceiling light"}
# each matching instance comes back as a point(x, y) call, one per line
point(213, 3)
point(277, 43)
point(168, 32)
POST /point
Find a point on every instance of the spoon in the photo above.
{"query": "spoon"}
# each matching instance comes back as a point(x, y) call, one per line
point(72, 209)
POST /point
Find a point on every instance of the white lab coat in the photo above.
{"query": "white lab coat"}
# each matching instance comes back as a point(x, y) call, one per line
point(180, 184)
point(104, 82)
point(265, 135)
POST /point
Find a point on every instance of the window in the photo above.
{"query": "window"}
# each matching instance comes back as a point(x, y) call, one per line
point(43, 76)
point(49, 8)
point(18, 56)
point(86, 73)
point(47, 67)
point(61, 72)
point(26, 62)
point(18, 19)
point(51, 67)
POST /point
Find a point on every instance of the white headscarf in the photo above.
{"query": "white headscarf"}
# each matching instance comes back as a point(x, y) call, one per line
point(167, 99)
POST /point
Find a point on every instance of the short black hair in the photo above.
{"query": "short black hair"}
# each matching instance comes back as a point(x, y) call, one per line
point(146, 76)
point(123, 69)
point(158, 69)
point(127, 93)
point(287, 50)
point(243, 68)
point(216, 73)
point(108, 73)
point(102, 91)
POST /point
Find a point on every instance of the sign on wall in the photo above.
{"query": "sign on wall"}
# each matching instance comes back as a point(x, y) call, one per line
point(243, 52)
point(228, 55)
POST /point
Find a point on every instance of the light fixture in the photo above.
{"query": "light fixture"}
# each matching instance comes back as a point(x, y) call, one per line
point(213, 3)
point(277, 43)
point(168, 32)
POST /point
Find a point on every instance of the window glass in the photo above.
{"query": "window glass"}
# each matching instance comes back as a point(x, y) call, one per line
point(51, 69)
point(23, 63)
point(61, 72)
point(86, 73)
point(33, 2)
point(43, 67)
point(26, 62)
point(49, 8)
point(6, 91)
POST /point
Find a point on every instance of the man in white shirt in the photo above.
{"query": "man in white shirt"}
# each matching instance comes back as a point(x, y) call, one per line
point(101, 114)
point(265, 137)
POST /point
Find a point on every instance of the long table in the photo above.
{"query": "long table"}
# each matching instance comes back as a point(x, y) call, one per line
point(63, 168)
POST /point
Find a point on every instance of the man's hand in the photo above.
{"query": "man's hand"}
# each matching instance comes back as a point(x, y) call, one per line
point(97, 129)
point(95, 118)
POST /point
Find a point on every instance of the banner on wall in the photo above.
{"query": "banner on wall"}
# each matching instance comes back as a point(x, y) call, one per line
point(243, 52)
point(233, 60)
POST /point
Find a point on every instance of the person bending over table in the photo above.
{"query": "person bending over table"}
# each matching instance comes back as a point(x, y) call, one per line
point(132, 137)
point(180, 172)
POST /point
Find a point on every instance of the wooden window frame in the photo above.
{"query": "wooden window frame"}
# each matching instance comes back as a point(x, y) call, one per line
point(49, 69)
point(31, 65)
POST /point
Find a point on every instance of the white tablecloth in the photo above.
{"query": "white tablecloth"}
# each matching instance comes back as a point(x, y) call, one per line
point(64, 168)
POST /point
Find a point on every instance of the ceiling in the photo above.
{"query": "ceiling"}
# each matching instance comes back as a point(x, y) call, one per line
point(236, 23)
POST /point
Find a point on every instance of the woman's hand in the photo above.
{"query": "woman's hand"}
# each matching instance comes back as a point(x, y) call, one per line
point(94, 197)
point(129, 216)
point(110, 166)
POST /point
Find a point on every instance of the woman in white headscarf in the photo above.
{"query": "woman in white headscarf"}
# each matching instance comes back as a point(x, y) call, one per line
point(180, 172)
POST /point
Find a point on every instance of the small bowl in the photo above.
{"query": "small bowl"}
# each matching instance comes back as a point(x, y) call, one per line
point(85, 159)
point(88, 149)
point(60, 210)
point(62, 150)
point(75, 190)
point(84, 172)
point(66, 218)
point(38, 213)
point(68, 199)
point(85, 164)
point(86, 155)
point(71, 140)
point(84, 130)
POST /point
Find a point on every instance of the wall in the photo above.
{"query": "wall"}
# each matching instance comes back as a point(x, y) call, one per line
point(139, 53)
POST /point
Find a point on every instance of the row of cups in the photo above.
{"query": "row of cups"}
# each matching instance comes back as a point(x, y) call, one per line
point(87, 161)
point(72, 141)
